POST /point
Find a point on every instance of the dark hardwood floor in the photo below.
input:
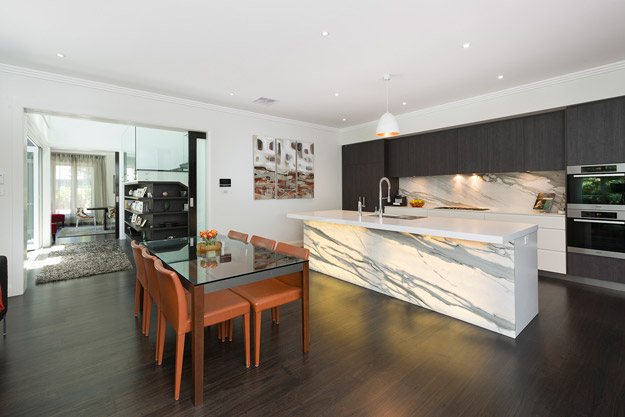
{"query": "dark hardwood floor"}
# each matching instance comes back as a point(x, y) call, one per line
point(75, 348)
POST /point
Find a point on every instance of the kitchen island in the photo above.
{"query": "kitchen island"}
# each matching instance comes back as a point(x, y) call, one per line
point(482, 272)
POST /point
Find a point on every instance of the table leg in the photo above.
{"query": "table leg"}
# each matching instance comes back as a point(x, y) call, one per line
point(197, 340)
point(104, 219)
point(305, 329)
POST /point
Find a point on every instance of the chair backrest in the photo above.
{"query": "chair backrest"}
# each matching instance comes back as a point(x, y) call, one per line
point(173, 300)
point(286, 249)
point(263, 242)
point(4, 286)
point(136, 254)
point(150, 274)
point(233, 234)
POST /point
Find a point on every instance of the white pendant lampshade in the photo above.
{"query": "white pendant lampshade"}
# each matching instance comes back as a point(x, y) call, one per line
point(387, 126)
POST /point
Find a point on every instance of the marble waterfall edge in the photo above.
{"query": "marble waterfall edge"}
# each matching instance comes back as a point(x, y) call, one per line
point(470, 281)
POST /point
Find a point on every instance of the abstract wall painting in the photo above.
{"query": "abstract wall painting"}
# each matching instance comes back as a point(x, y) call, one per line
point(286, 171)
point(264, 168)
point(283, 168)
point(305, 170)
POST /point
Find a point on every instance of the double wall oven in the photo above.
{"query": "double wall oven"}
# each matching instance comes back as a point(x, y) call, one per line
point(596, 210)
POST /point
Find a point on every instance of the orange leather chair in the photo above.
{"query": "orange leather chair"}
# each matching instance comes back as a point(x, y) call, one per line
point(218, 307)
point(153, 293)
point(263, 242)
point(233, 234)
point(271, 293)
point(142, 285)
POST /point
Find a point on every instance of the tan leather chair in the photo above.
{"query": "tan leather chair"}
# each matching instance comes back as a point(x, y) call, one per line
point(271, 293)
point(218, 307)
point(233, 234)
point(142, 285)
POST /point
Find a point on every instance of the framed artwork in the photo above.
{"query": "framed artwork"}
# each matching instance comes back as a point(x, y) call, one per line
point(283, 168)
point(305, 170)
point(264, 168)
point(286, 173)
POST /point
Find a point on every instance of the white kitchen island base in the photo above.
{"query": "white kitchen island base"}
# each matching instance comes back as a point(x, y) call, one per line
point(491, 285)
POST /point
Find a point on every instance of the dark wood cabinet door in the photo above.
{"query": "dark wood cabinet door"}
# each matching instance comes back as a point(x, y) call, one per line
point(595, 132)
point(473, 149)
point(350, 187)
point(400, 156)
point(544, 142)
point(505, 146)
point(436, 153)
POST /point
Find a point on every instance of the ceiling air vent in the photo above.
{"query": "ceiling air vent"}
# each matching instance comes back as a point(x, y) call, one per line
point(265, 101)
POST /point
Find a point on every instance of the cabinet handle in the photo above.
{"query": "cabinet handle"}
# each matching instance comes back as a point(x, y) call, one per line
point(598, 221)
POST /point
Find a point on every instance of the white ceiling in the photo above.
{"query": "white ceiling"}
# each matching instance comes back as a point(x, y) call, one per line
point(206, 50)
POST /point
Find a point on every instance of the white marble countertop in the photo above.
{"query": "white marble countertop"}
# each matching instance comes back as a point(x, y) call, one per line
point(415, 210)
point(475, 230)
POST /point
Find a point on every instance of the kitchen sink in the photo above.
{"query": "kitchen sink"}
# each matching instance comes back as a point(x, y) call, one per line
point(396, 216)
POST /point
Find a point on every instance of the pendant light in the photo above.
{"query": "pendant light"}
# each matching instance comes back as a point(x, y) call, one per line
point(387, 126)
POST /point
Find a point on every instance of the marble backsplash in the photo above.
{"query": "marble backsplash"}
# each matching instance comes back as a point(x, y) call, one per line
point(509, 191)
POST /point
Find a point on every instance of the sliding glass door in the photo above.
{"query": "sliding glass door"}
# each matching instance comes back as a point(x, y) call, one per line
point(33, 222)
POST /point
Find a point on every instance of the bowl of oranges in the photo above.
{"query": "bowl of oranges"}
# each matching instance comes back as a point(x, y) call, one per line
point(417, 203)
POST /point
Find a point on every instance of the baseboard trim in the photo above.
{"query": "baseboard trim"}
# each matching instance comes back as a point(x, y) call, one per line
point(582, 280)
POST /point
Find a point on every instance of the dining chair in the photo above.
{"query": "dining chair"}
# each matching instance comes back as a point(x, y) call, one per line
point(153, 293)
point(80, 214)
point(273, 292)
point(233, 234)
point(175, 307)
point(263, 242)
point(141, 289)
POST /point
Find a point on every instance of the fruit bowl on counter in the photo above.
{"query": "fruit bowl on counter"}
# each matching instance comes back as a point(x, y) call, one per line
point(417, 203)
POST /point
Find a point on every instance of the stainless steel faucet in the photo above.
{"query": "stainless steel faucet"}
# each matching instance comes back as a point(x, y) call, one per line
point(388, 197)
point(359, 208)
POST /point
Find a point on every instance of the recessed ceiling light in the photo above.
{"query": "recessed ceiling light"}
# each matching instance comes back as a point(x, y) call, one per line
point(231, 94)
point(344, 119)
point(60, 55)
point(403, 104)
point(466, 45)
point(325, 33)
point(500, 77)
point(336, 94)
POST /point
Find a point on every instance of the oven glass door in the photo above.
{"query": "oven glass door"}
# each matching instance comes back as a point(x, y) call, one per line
point(596, 234)
point(596, 189)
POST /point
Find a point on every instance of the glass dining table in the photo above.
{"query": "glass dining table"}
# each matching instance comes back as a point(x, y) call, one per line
point(237, 263)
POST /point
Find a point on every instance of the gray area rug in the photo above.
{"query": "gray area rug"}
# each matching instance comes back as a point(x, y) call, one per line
point(79, 260)
point(70, 231)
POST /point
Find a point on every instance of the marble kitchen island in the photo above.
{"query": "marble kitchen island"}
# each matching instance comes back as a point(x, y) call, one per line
point(482, 272)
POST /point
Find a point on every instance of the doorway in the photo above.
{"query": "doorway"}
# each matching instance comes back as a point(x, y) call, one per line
point(33, 195)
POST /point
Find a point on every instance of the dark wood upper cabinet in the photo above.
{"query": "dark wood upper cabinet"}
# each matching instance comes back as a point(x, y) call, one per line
point(364, 164)
point(400, 157)
point(436, 153)
point(595, 132)
point(505, 146)
point(544, 142)
point(473, 149)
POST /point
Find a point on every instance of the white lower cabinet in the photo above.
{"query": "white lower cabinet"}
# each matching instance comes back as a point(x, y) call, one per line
point(553, 261)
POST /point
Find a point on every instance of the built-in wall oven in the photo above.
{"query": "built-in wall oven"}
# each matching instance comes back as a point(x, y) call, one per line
point(596, 210)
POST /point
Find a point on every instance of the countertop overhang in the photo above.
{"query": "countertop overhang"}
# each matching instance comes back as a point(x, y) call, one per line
point(475, 230)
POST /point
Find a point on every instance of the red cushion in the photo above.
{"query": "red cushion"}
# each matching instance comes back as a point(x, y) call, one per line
point(53, 228)
point(58, 218)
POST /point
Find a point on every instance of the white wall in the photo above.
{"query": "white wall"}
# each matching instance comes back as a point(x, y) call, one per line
point(230, 151)
point(590, 85)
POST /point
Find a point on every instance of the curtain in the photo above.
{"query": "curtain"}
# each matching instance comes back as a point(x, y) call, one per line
point(77, 181)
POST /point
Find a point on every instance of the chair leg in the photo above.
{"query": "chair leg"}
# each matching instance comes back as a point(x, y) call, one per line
point(224, 331)
point(146, 298)
point(160, 342)
point(218, 331)
point(4, 330)
point(137, 298)
point(246, 331)
point(273, 314)
point(230, 326)
point(158, 331)
point(179, 352)
point(277, 315)
point(257, 315)
point(148, 315)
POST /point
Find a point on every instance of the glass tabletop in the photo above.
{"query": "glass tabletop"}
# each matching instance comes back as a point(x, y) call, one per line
point(235, 259)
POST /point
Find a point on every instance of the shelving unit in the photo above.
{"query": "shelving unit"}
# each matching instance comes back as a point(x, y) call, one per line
point(165, 216)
